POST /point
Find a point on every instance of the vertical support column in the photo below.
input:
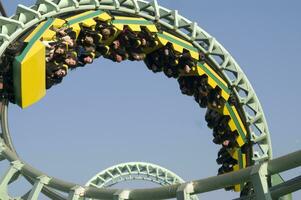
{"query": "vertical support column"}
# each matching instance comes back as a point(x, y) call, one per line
point(116, 4)
point(259, 178)
point(156, 8)
point(15, 167)
point(136, 6)
point(122, 195)
point(76, 193)
point(184, 191)
point(37, 188)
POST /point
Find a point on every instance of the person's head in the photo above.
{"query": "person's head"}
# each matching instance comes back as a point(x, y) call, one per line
point(59, 50)
point(71, 61)
point(226, 143)
point(69, 41)
point(116, 44)
point(89, 40)
point(88, 59)
point(106, 32)
point(187, 69)
point(60, 73)
point(90, 48)
point(118, 58)
point(154, 67)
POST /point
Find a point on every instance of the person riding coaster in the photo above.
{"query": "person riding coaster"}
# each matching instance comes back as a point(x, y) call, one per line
point(55, 73)
point(55, 51)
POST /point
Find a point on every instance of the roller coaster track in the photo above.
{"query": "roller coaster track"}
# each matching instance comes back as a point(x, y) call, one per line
point(135, 171)
point(220, 60)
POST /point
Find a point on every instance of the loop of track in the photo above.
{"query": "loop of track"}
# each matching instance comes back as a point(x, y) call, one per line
point(15, 26)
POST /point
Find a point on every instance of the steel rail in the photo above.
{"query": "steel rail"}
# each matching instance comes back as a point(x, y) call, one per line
point(8, 141)
point(135, 171)
point(292, 160)
point(131, 171)
point(172, 21)
point(16, 25)
point(279, 191)
point(287, 187)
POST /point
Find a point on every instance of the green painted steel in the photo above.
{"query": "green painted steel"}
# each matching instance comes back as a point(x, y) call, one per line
point(27, 17)
point(137, 22)
point(85, 17)
point(240, 131)
point(36, 37)
point(276, 180)
point(152, 11)
point(135, 171)
point(220, 84)
point(167, 37)
point(199, 186)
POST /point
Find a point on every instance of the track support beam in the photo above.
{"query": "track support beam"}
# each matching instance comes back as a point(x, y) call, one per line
point(259, 178)
point(76, 193)
point(122, 195)
point(37, 188)
point(184, 191)
point(15, 167)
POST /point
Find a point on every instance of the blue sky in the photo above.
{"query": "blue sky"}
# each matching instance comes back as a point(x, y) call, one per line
point(105, 113)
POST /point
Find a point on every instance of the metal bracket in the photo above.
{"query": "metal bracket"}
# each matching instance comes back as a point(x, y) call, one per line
point(76, 193)
point(38, 186)
point(49, 3)
point(122, 195)
point(27, 12)
point(2, 146)
point(184, 191)
point(15, 167)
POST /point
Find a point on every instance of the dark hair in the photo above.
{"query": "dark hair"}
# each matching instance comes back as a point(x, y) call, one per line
point(72, 54)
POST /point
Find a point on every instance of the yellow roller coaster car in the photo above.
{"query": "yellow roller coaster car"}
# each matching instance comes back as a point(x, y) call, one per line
point(29, 68)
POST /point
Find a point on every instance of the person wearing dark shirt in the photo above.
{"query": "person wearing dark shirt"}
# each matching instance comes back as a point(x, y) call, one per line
point(55, 73)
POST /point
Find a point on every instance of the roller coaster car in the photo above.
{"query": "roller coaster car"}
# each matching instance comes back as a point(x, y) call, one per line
point(178, 44)
point(134, 23)
point(86, 20)
point(238, 155)
point(214, 80)
point(29, 67)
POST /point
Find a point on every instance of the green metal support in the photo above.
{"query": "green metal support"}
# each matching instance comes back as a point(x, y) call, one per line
point(14, 169)
point(280, 191)
point(259, 178)
point(37, 187)
point(122, 195)
point(276, 180)
point(12, 28)
point(76, 193)
point(184, 191)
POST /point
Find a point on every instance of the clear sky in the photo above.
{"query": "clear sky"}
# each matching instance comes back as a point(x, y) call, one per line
point(105, 113)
